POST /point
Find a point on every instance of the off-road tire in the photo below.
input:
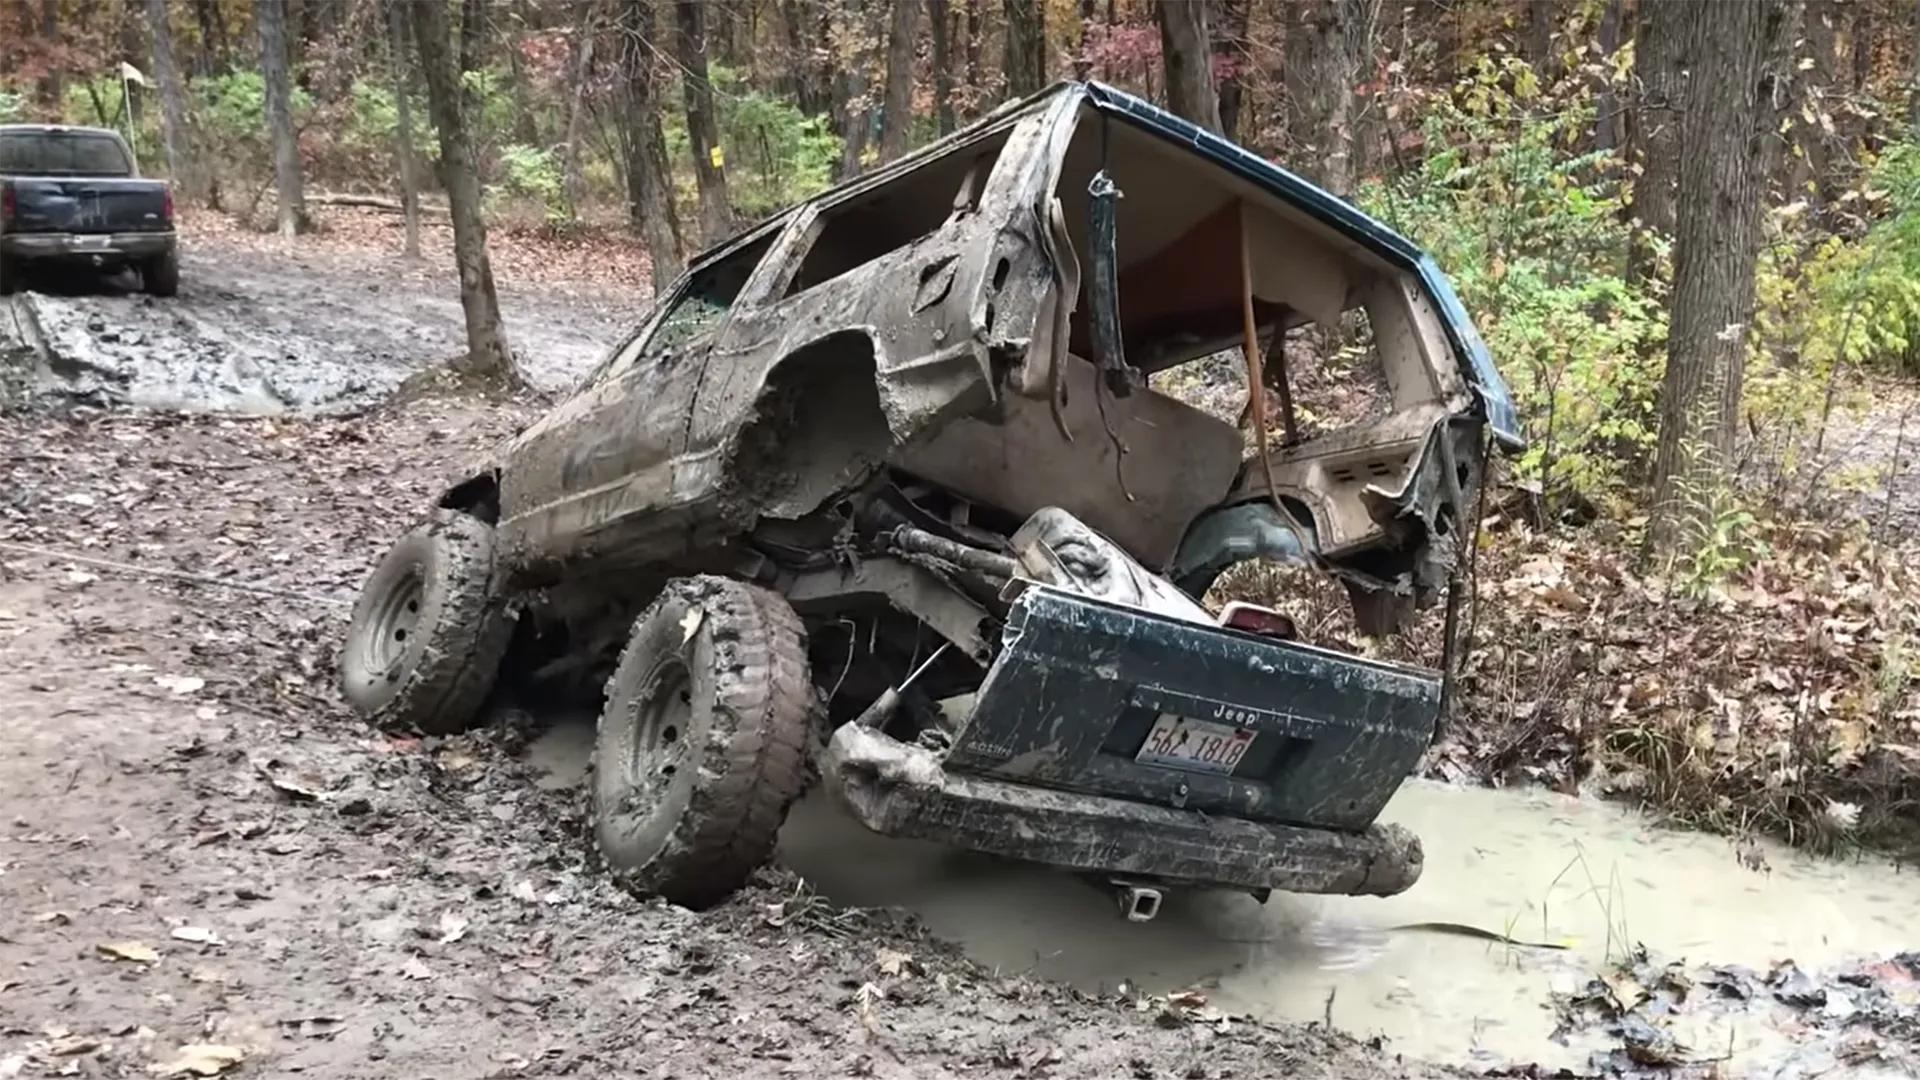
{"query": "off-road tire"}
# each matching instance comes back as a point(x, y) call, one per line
point(703, 743)
point(160, 276)
point(429, 629)
point(9, 276)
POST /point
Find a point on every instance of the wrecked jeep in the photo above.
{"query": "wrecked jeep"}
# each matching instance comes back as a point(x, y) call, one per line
point(900, 445)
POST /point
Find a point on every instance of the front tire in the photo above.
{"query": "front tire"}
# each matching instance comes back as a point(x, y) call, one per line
point(429, 630)
point(702, 746)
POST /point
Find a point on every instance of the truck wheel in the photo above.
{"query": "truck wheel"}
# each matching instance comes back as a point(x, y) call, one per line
point(161, 276)
point(703, 742)
point(9, 276)
point(429, 630)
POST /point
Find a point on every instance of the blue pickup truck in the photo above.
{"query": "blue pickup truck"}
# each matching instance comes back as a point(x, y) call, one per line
point(73, 196)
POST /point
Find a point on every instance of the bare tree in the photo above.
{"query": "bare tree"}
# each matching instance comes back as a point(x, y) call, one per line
point(939, 13)
point(174, 129)
point(1716, 248)
point(703, 126)
point(403, 126)
point(649, 194)
point(1024, 55)
point(488, 359)
point(271, 17)
point(1659, 60)
point(851, 109)
point(1328, 41)
point(896, 111)
point(1186, 50)
point(586, 31)
point(1228, 24)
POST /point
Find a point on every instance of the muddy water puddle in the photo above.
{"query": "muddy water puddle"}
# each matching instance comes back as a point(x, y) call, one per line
point(1533, 866)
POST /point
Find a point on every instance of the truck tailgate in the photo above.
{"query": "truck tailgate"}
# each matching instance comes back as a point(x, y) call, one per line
point(88, 205)
point(1111, 700)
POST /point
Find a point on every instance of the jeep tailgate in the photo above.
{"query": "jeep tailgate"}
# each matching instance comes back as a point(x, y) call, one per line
point(1112, 700)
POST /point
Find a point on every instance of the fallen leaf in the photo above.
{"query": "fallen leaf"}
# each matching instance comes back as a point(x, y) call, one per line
point(201, 1059)
point(414, 969)
point(893, 962)
point(137, 952)
point(523, 890)
point(57, 918)
point(180, 684)
point(1187, 999)
point(452, 928)
point(199, 935)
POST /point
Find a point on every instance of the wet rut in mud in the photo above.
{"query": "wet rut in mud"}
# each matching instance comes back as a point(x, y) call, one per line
point(1535, 868)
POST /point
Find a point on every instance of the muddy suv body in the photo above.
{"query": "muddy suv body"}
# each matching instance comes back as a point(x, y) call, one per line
point(902, 445)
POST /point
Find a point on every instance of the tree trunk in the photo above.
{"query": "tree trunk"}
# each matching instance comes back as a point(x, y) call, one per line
point(896, 110)
point(1327, 43)
point(586, 31)
point(403, 126)
point(488, 359)
point(473, 34)
point(1606, 112)
point(1541, 15)
point(1659, 60)
point(973, 48)
point(1185, 50)
point(939, 13)
point(48, 89)
point(649, 178)
point(703, 126)
point(851, 109)
point(173, 104)
point(212, 49)
point(1228, 23)
point(808, 78)
point(1716, 245)
point(271, 15)
point(1025, 54)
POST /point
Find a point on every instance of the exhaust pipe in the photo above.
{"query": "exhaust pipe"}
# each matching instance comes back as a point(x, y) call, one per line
point(1139, 903)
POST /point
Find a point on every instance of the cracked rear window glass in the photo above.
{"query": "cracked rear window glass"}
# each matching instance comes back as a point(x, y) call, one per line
point(61, 153)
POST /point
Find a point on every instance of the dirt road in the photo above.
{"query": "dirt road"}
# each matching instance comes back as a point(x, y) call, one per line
point(207, 865)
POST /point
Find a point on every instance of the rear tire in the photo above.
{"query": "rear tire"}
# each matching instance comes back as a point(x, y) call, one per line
point(9, 276)
point(429, 630)
point(702, 746)
point(161, 276)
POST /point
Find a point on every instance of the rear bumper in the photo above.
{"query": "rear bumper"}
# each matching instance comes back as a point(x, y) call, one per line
point(87, 247)
point(903, 791)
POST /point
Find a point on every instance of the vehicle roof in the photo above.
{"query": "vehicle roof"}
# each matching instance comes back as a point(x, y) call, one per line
point(46, 129)
point(1344, 217)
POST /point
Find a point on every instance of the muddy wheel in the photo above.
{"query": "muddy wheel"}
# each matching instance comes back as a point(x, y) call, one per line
point(161, 275)
point(703, 742)
point(429, 629)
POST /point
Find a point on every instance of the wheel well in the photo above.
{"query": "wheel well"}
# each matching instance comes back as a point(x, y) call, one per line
point(819, 428)
point(477, 497)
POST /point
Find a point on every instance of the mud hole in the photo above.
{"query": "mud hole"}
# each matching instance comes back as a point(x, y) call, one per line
point(257, 333)
point(199, 847)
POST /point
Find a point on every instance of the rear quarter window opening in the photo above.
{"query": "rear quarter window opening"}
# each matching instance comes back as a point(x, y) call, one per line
point(62, 153)
point(885, 219)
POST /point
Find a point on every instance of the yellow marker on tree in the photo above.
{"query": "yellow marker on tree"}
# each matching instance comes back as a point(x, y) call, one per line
point(718, 158)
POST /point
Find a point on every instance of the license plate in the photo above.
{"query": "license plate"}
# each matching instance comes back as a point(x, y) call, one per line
point(92, 243)
point(1179, 743)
